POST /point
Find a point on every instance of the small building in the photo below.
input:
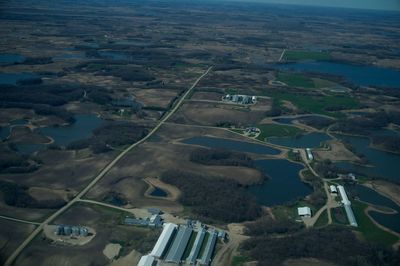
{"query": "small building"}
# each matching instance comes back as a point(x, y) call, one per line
point(163, 241)
point(333, 189)
point(347, 206)
point(209, 249)
point(310, 156)
point(304, 211)
point(155, 220)
point(154, 211)
point(147, 260)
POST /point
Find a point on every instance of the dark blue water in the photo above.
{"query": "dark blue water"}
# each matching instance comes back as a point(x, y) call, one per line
point(385, 164)
point(158, 192)
point(360, 75)
point(311, 140)
point(81, 129)
point(69, 57)
point(228, 144)
point(133, 42)
point(284, 184)
point(6, 59)
point(13, 78)
point(4, 132)
point(27, 148)
point(114, 55)
point(391, 221)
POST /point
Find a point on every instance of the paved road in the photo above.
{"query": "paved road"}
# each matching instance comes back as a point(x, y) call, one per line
point(18, 220)
point(103, 172)
point(283, 53)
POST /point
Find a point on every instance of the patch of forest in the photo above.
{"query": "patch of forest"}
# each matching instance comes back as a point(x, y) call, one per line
point(12, 162)
point(220, 157)
point(389, 143)
point(213, 199)
point(335, 244)
point(18, 196)
point(113, 134)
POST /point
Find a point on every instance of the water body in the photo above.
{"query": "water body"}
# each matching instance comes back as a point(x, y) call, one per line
point(13, 78)
point(133, 42)
point(69, 57)
point(6, 59)
point(385, 164)
point(311, 140)
point(81, 129)
point(358, 74)
point(114, 55)
point(228, 144)
point(6, 131)
point(391, 221)
point(158, 192)
point(28, 148)
point(284, 184)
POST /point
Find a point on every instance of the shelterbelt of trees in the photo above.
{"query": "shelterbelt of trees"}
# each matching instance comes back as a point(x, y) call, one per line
point(213, 199)
point(338, 245)
point(220, 157)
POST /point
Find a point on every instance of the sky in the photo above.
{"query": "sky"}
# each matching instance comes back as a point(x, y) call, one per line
point(364, 4)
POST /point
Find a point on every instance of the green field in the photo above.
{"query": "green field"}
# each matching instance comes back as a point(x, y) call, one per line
point(322, 220)
point(295, 80)
point(368, 229)
point(240, 260)
point(302, 81)
point(273, 130)
point(317, 104)
point(306, 55)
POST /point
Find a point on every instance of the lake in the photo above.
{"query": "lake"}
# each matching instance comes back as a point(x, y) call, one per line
point(311, 140)
point(284, 184)
point(228, 144)
point(13, 78)
point(385, 164)
point(158, 192)
point(357, 74)
point(6, 59)
point(82, 128)
point(391, 221)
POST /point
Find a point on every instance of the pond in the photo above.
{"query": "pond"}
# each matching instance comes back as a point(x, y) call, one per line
point(311, 140)
point(75, 56)
point(229, 144)
point(391, 221)
point(82, 128)
point(6, 59)
point(158, 192)
point(385, 164)
point(13, 78)
point(358, 74)
point(284, 183)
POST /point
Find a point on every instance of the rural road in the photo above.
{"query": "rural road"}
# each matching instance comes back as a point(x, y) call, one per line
point(18, 220)
point(103, 172)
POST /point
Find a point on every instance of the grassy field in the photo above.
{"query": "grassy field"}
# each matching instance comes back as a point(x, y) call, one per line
point(240, 260)
point(295, 80)
point(317, 104)
point(368, 229)
point(322, 220)
point(302, 81)
point(306, 55)
point(273, 130)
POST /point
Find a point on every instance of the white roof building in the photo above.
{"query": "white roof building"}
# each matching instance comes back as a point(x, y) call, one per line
point(162, 242)
point(147, 260)
point(304, 211)
point(333, 189)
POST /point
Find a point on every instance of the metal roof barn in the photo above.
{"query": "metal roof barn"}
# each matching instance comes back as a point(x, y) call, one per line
point(194, 253)
point(208, 251)
point(162, 242)
point(147, 261)
point(178, 246)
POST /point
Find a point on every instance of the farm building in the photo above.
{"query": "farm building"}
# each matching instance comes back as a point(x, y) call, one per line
point(162, 243)
point(147, 260)
point(304, 211)
point(178, 247)
point(194, 253)
point(310, 156)
point(209, 249)
point(347, 206)
point(333, 189)
point(155, 220)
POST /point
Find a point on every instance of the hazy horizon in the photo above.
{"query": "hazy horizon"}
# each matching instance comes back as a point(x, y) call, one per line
point(393, 5)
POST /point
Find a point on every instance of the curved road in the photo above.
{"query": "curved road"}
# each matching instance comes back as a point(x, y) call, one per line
point(103, 172)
